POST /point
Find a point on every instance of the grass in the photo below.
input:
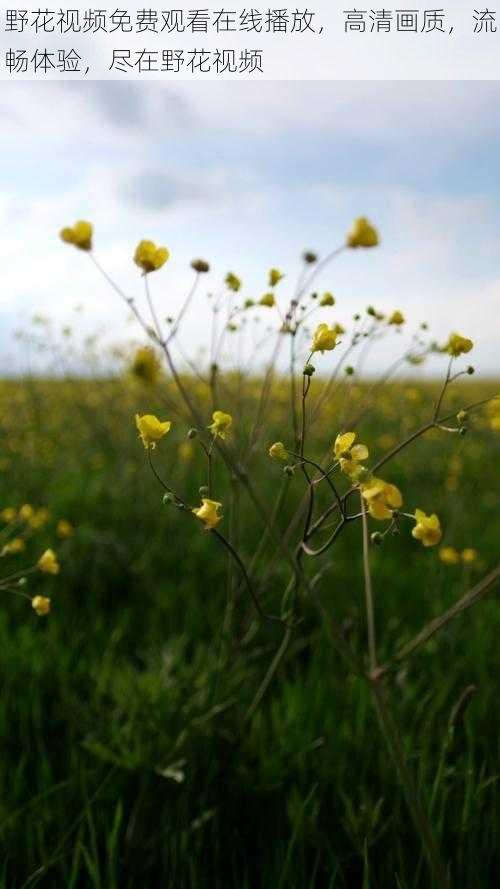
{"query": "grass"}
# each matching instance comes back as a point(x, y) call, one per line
point(128, 759)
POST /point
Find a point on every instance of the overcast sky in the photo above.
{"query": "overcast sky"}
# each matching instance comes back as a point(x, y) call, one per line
point(247, 176)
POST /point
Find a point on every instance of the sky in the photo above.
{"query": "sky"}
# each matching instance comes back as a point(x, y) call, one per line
point(247, 176)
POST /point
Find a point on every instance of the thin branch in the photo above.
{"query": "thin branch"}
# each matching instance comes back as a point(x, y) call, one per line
point(486, 585)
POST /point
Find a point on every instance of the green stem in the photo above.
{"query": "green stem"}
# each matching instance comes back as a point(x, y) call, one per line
point(393, 740)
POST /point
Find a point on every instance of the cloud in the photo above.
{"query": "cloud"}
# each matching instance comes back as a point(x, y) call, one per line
point(154, 190)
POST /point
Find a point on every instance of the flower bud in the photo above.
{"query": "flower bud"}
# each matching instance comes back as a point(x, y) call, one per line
point(288, 470)
point(470, 370)
point(168, 498)
point(461, 416)
point(192, 433)
point(376, 538)
point(203, 491)
point(349, 371)
point(309, 257)
point(462, 431)
point(200, 266)
point(308, 370)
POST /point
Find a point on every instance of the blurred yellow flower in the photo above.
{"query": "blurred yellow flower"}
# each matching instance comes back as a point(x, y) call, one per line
point(427, 528)
point(275, 277)
point(48, 562)
point(278, 451)
point(26, 512)
point(396, 318)
point(41, 604)
point(449, 555)
point(458, 345)
point(145, 365)
point(209, 512)
point(362, 234)
point(327, 299)
point(185, 451)
point(494, 414)
point(64, 529)
point(14, 546)
point(469, 555)
point(267, 300)
point(221, 424)
point(39, 518)
point(381, 498)
point(149, 257)
point(8, 514)
point(324, 338)
point(80, 235)
point(151, 429)
point(233, 282)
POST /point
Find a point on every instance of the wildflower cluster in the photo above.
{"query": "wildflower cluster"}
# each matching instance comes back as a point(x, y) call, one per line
point(380, 498)
point(19, 526)
point(343, 476)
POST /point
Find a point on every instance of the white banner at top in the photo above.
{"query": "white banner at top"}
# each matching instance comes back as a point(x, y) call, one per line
point(232, 41)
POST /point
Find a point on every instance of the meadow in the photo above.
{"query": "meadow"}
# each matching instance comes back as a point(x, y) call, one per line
point(171, 724)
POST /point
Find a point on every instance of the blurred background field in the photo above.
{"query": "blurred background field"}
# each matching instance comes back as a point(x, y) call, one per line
point(126, 760)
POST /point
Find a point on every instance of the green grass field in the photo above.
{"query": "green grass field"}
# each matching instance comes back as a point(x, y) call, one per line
point(133, 751)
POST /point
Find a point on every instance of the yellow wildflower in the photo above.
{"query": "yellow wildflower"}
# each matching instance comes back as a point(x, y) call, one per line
point(396, 318)
point(209, 512)
point(41, 604)
point(427, 528)
point(362, 234)
point(327, 299)
point(80, 235)
point(26, 512)
point(233, 282)
point(14, 546)
point(185, 451)
point(469, 555)
point(278, 451)
point(145, 365)
point(449, 555)
point(458, 345)
point(275, 277)
point(39, 518)
point(381, 498)
point(349, 454)
point(221, 424)
point(149, 257)
point(48, 562)
point(8, 514)
point(494, 414)
point(267, 300)
point(64, 529)
point(324, 338)
point(151, 429)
